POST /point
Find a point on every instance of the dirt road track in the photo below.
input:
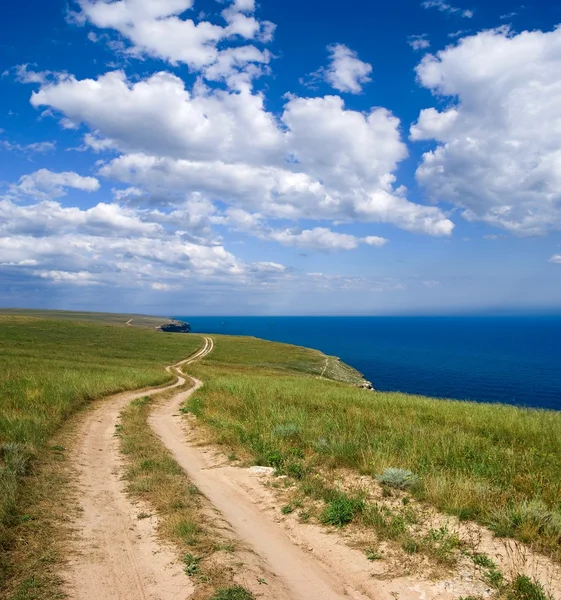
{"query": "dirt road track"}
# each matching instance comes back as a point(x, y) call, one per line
point(303, 577)
point(116, 556)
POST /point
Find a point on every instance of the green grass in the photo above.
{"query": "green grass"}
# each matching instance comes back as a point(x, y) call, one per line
point(48, 370)
point(233, 593)
point(495, 464)
point(89, 317)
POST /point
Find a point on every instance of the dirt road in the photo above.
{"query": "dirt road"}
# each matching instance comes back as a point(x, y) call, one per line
point(116, 556)
point(303, 577)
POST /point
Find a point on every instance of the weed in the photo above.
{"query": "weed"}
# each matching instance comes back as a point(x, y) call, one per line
point(341, 510)
point(143, 515)
point(524, 588)
point(191, 564)
point(483, 560)
point(233, 593)
point(287, 509)
point(372, 555)
point(494, 578)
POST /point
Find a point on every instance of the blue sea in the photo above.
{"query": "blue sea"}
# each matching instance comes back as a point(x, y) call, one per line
point(513, 360)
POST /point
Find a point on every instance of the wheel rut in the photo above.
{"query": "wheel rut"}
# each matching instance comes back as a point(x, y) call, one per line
point(115, 556)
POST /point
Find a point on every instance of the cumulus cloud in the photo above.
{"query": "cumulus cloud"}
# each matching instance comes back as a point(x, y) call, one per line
point(374, 240)
point(498, 142)
point(556, 259)
point(317, 159)
point(115, 245)
point(345, 72)
point(157, 29)
point(44, 184)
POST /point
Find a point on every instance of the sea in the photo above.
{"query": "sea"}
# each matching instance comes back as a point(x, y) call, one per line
point(510, 360)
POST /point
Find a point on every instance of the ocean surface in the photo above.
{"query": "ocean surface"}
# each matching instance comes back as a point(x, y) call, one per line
point(513, 360)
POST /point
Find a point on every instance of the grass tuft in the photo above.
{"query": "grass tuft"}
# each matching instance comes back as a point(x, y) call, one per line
point(341, 510)
point(233, 593)
point(401, 479)
point(524, 588)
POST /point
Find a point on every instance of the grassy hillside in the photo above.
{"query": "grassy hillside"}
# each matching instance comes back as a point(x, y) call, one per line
point(89, 317)
point(495, 464)
point(50, 368)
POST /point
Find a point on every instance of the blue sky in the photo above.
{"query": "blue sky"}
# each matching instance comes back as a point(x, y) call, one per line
point(205, 157)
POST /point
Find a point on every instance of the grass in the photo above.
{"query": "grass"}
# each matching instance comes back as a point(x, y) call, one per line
point(89, 317)
point(233, 593)
point(48, 370)
point(491, 463)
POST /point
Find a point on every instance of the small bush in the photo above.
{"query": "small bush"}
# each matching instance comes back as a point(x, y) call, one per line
point(524, 588)
point(341, 510)
point(233, 593)
point(191, 564)
point(286, 510)
point(399, 478)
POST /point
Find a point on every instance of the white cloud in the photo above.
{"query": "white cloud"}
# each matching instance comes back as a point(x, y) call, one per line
point(419, 42)
point(345, 72)
point(556, 259)
point(498, 151)
point(319, 238)
point(374, 240)
point(157, 29)
point(76, 278)
point(49, 218)
point(448, 8)
point(113, 245)
point(317, 160)
point(34, 147)
point(45, 184)
point(160, 117)
point(25, 75)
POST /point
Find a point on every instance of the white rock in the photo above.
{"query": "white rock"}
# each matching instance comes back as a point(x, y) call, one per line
point(262, 470)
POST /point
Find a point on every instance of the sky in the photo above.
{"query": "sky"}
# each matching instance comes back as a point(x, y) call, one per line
point(234, 157)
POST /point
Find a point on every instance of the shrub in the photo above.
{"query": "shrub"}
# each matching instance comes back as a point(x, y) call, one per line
point(524, 588)
point(399, 478)
point(341, 510)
